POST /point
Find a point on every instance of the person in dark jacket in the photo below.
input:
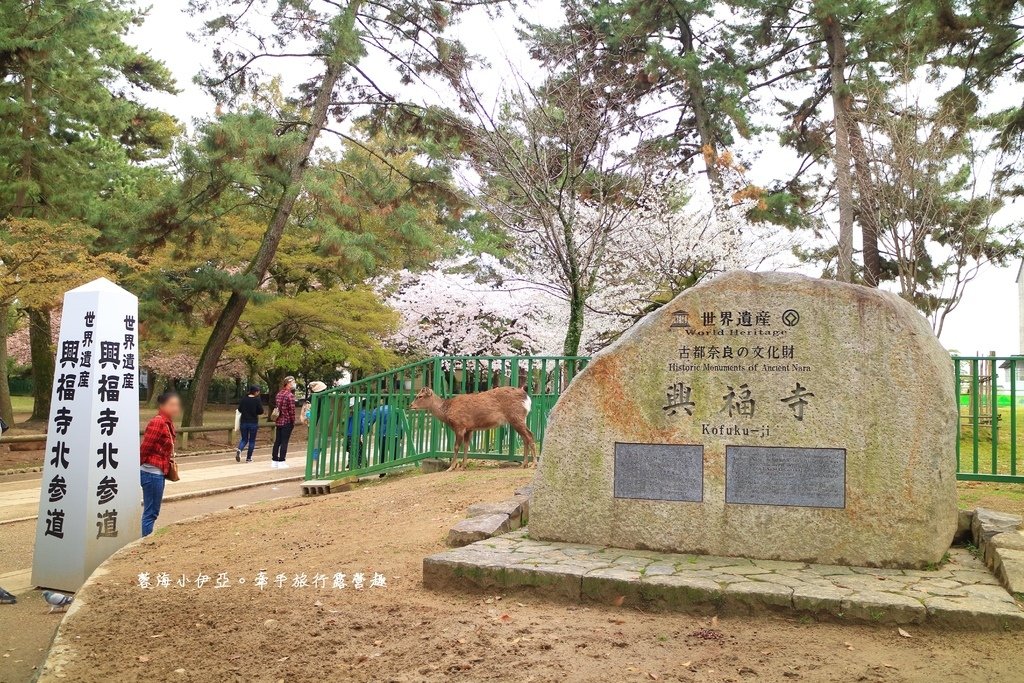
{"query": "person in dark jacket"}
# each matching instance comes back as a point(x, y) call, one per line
point(155, 454)
point(249, 409)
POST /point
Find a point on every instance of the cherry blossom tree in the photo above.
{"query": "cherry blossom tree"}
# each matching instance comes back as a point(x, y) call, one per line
point(449, 312)
point(481, 306)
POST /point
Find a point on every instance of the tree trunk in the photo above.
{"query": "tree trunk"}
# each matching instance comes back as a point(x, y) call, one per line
point(6, 409)
point(275, 378)
point(574, 333)
point(28, 132)
point(155, 380)
point(703, 124)
point(836, 44)
point(870, 217)
point(195, 399)
point(40, 339)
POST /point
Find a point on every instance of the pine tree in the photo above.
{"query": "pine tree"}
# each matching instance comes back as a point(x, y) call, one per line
point(70, 124)
point(407, 36)
point(984, 41)
point(823, 52)
point(660, 55)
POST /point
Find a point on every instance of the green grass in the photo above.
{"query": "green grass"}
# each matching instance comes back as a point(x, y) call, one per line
point(22, 404)
point(934, 566)
point(1003, 443)
point(1007, 497)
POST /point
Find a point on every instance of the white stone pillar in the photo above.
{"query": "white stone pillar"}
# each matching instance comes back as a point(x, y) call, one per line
point(89, 504)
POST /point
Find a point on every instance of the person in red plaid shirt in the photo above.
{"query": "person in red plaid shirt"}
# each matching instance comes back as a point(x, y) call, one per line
point(284, 405)
point(155, 455)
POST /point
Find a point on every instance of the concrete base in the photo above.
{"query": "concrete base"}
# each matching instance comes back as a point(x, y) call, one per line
point(321, 487)
point(431, 465)
point(961, 593)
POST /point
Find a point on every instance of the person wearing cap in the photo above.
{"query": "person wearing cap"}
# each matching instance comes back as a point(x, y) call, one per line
point(284, 417)
point(314, 387)
point(249, 410)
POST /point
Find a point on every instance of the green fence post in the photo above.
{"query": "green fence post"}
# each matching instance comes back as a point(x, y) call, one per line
point(975, 410)
point(959, 419)
point(994, 380)
point(1013, 416)
point(511, 432)
point(435, 429)
point(311, 436)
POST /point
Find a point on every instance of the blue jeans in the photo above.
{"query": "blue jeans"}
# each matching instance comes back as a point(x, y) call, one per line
point(152, 496)
point(248, 431)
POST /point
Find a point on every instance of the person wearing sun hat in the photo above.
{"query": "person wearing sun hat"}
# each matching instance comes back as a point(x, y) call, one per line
point(314, 387)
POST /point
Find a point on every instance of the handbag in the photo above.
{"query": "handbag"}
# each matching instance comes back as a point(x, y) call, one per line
point(238, 420)
point(274, 414)
point(172, 469)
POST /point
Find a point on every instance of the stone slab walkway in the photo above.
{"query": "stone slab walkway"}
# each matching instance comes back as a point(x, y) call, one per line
point(960, 593)
point(19, 499)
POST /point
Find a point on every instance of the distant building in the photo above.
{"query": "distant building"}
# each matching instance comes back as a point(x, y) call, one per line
point(1020, 330)
point(1020, 309)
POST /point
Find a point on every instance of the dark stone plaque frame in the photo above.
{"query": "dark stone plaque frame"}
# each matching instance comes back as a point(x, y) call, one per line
point(729, 448)
point(619, 487)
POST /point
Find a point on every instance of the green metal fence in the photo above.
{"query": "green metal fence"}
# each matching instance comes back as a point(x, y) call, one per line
point(988, 401)
point(367, 426)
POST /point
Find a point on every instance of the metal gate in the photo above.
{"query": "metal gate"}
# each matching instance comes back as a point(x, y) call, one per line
point(367, 426)
point(987, 404)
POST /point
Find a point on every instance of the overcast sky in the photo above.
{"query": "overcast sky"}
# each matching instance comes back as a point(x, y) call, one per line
point(986, 319)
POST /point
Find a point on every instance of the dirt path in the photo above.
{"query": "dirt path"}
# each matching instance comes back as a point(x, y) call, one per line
point(26, 628)
point(404, 633)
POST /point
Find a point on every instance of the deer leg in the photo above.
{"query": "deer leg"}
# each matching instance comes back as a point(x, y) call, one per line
point(465, 448)
point(531, 446)
point(528, 443)
point(455, 454)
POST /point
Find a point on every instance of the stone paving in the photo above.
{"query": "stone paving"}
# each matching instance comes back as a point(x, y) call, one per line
point(961, 592)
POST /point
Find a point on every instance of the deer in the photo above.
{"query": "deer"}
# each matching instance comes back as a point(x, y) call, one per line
point(468, 413)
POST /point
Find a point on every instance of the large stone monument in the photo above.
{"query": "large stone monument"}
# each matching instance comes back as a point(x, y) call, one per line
point(771, 416)
point(89, 505)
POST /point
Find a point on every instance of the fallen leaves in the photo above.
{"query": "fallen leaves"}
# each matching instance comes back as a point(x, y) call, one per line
point(707, 634)
point(903, 633)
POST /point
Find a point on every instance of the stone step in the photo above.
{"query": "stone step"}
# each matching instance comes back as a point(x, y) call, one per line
point(478, 528)
point(960, 593)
